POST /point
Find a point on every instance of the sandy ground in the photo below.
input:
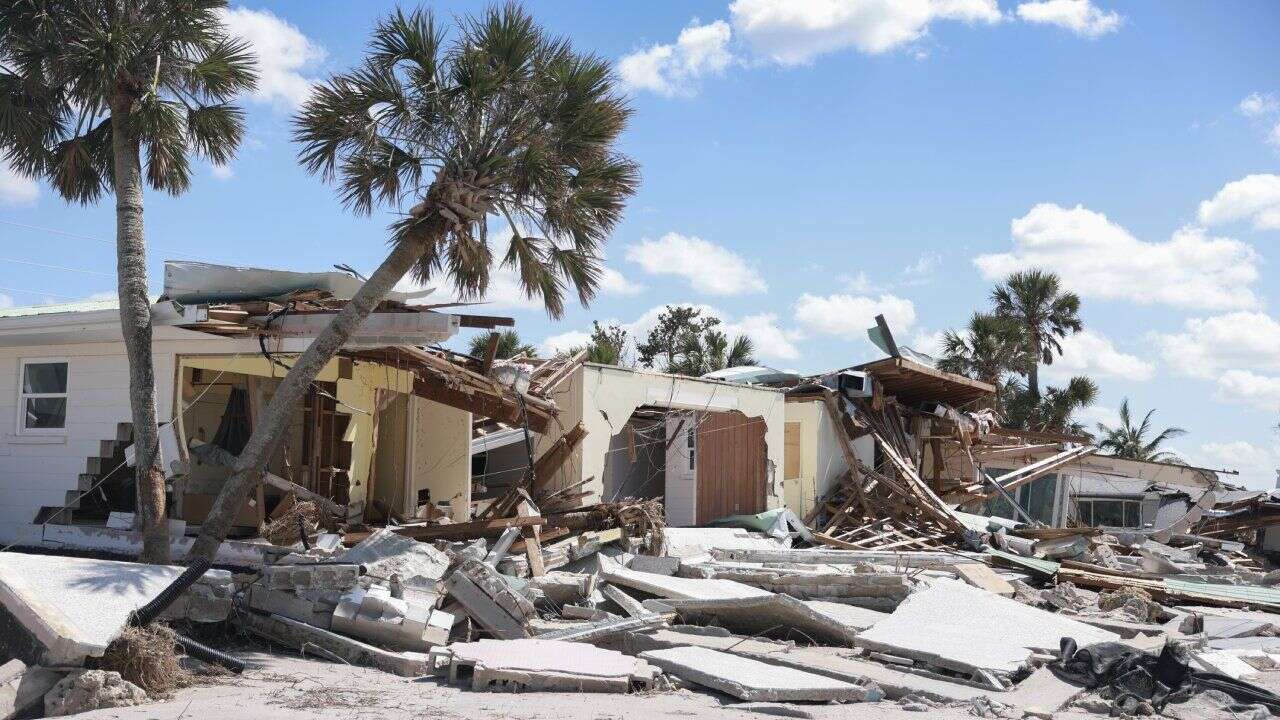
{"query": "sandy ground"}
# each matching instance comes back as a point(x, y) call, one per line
point(279, 687)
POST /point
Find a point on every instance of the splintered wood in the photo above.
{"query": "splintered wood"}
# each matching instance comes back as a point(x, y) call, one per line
point(886, 508)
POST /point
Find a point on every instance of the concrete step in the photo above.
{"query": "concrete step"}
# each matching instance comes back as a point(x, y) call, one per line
point(124, 432)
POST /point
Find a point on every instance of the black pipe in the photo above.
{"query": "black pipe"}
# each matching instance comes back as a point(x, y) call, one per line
point(302, 532)
point(147, 614)
point(204, 653)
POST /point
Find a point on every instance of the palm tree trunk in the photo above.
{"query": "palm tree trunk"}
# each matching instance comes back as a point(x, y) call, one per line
point(135, 325)
point(1033, 373)
point(267, 434)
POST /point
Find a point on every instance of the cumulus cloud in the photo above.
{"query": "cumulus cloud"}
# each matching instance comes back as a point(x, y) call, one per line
point(673, 69)
point(929, 343)
point(1081, 17)
point(613, 282)
point(1091, 353)
point(1207, 347)
point(285, 55)
point(563, 342)
point(1243, 387)
point(1257, 463)
point(710, 268)
point(16, 189)
point(1098, 258)
point(921, 271)
point(1258, 104)
point(849, 316)
point(794, 32)
point(1255, 198)
point(222, 172)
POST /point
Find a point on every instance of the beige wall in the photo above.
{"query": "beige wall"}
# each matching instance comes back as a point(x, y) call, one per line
point(441, 454)
point(822, 462)
point(603, 397)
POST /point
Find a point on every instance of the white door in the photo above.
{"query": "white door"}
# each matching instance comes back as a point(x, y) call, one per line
point(681, 492)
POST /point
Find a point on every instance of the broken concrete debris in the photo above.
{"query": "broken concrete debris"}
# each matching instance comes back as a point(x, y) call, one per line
point(753, 680)
point(536, 664)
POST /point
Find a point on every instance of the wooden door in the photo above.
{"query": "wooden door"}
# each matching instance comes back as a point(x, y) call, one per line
point(731, 465)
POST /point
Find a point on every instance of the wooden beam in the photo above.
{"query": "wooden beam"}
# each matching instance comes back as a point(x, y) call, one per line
point(555, 456)
point(487, 322)
point(490, 352)
point(454, 531)
point(479, 402)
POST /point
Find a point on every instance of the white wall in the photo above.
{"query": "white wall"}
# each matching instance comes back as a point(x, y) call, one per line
point(440, 455)
point(38, 471)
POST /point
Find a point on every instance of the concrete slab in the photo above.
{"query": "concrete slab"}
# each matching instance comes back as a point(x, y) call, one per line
point(982, 576)
point(689, 542)
point(301, 636)
point(831, 662)
point(753, 680)
point(385, 553)
point(1043, 692)
point(1221, 628)
point(619, 597)
point(881, 590)
point(665, 586)
point(551, 665)
point(773, 614)
point(852, 616)
point(914, 558)
point(22, 688)
point(961, 628)
point(75, 607)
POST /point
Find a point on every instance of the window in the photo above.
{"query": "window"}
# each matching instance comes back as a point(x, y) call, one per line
point(42, 402)
point(1109, 512)
point(691, 441)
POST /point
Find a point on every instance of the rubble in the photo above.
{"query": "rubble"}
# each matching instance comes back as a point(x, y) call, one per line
point(23, 687)
point(85, 690)
point(537, 664)
point(752, 680)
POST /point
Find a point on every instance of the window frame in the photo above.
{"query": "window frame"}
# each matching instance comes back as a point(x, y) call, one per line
point(1125, 502)
point(23, 396)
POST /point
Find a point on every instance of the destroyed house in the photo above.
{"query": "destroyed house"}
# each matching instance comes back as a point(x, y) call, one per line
point(223, 339)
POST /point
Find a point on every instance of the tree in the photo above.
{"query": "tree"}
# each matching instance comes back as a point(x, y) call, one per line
point(1052, 411)
point(987, 350)
point(501, 119)
point(85, 87)
point(608, 345)
point(509, 346)
point(685, 342)
point(1035, 301)
point(1129, 441)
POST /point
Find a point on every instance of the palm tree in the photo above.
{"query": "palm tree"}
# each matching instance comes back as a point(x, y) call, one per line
point(509, 346)
point(85, 87)
point(710, 351)
point(1129, 441)
point(1035, 301)
point(501, 120)
point(1052, 411)
point(987, 350)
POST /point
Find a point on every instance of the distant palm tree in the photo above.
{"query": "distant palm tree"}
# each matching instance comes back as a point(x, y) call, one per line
point(710, 351)
point(501, 120)
point(987, 350)
point(1130, 441)
point(608, 346)
point(509, 346)
point(1035, 300)
point(1052, 411)
point(86, 86)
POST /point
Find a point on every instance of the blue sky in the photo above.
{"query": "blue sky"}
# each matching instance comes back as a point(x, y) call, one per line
point(808, 164)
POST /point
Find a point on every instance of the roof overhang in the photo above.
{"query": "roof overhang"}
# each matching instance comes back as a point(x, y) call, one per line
point(913, 382)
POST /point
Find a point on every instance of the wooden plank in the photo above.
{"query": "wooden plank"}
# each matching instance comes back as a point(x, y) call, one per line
point(454, 531)
point(478, 402)
point(490, 352)
point(554, 458)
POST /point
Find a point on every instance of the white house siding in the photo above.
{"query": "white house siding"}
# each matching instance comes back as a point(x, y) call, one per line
point(37, 471)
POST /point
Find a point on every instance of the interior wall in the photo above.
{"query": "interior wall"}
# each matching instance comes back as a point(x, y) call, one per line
point(640, 474)
point(391, 461)
point(441, 454)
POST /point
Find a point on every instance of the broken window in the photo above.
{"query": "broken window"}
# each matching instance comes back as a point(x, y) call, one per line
point(1109, 512)
point(43, 405)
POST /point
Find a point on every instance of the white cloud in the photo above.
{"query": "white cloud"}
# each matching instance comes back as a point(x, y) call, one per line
point(1094, 414)
point(562, 342)
point(929, 343)
point(1097, 258)
point(16, 189)
point(1079, 16)
point(1208, 347)
point(1257, 463)
point(794, 32)
point(1273, 137)
point(709, 268)
point(921, 271)
point(858, 284)
point(1254, 197)
point(613, 282)
point(1258, 104)
point(849, 316)
point(284, 54)
point(674, 69)
point(1247, 388)
point(771, 341)
point(222, 172)
point(1090, 353)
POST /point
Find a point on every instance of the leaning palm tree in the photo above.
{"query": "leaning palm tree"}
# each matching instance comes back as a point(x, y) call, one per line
point(499, 120)
point(509, 346)
point(1035, 301)
point(86, 86)
point(987, 350)
point(1130, 441)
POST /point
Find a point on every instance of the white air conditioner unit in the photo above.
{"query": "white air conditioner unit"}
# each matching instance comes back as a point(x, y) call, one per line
point(850, 383)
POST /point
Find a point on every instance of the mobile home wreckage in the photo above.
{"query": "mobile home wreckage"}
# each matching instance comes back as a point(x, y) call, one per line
point(555, 524)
